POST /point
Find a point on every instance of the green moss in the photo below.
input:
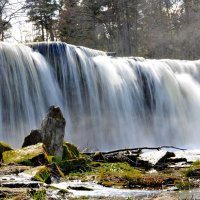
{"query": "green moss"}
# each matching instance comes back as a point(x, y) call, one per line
point(123, 175)
point(37, 194)
point(70, 151)
point(4, 147)
point(193, 170)
point(117, 174)
point(107, 173)
point(56, 159)
point(31, 155)
point(72, 159)
point(119, 168)
point(182, 185)
point(196, 163)
point(107, 183)
point(98, 156)
point(43, 176)
point(166, 156)
point(74, 165)
point(41, 173)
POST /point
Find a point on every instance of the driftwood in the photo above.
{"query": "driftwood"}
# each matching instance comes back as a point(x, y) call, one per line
point(138, 149)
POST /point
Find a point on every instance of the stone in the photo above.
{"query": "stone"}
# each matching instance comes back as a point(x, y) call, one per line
point(70, 151)
point(51, 133)
point(40, 173)
point(73, 165)
point(12, 169)
point(34, 138)
point(4, 147)
point(80, 188)
point(32, 155)
point(152, 156)
point(10, 193)
point(98, 156)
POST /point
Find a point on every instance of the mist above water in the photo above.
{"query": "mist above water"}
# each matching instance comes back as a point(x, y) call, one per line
point(108, 103)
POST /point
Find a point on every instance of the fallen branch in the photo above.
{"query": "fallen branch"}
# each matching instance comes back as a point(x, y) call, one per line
point(139, 149)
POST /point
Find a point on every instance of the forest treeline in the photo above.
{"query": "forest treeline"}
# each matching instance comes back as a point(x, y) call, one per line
point(147, 28)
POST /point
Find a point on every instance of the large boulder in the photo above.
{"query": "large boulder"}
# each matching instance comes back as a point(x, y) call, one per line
point(51, 132)
point(32, 155)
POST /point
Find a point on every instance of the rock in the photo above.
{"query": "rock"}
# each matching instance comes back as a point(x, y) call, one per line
point(164, 196)
point(132, 157)
point(40, 173)
point(70, 151)
point(159, 159)
point(113, 54)
point(51, 132)
point(31, 155)
point(73, 165)
point(56, 171)
point(164, 161)
point(12, 184)
point(73, 160)
point(81, 188)
point(12, 169)
point(193, 173)
point(7, 193)
point(152, 156)
point(165, 158)
point(34, 138)
point(122, 156)
point(98, 156)
point(4, 147)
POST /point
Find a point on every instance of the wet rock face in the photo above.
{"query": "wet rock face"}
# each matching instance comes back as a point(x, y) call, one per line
point(51, 132)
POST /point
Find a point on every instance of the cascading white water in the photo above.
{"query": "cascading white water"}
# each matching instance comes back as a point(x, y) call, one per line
point(108, 103)
point(27, 88)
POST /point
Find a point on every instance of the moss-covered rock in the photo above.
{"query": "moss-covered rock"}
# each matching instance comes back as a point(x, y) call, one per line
point(194, 170)
point(51, 132)
point(98, 156)
point(4, 147)
point(40, 194)
point(73, 165)
point(70, 151)
point(72, 159)
point(40, 173)
point(32, 155)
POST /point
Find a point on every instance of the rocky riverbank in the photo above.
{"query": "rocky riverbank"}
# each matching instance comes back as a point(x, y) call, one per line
point(94, 176)
point(41, 170)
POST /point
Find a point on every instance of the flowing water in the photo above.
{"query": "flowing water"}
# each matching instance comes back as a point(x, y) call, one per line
point(108, 102)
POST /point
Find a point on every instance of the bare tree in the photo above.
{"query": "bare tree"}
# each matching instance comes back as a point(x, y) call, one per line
point(9, 10)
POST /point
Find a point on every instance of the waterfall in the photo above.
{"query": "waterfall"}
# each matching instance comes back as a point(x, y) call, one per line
point(27, 88)
point(108, 102)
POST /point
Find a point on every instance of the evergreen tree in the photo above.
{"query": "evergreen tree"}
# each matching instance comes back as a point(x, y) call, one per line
point(42, 13)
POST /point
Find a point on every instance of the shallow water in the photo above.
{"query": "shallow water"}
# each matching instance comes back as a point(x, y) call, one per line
point(103, 192)
point(100, 192)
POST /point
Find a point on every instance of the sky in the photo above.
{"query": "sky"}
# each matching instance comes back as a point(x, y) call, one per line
point(21, 30)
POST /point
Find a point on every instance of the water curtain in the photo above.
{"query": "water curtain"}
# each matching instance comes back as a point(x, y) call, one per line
point(108, 102)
